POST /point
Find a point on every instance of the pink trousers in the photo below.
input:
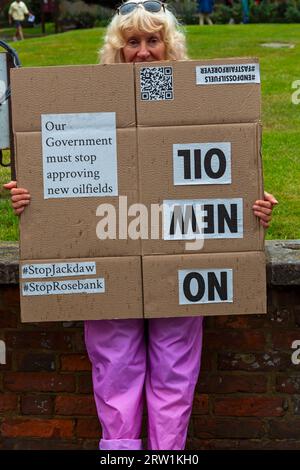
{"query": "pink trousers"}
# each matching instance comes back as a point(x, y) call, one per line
point(156, 359)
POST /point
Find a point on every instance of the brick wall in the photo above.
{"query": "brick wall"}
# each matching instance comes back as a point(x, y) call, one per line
point(247, 397)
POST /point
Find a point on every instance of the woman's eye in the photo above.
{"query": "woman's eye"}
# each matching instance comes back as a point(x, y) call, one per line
point(132, 42)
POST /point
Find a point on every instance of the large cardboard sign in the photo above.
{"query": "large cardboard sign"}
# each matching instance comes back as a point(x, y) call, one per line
point(101, 155)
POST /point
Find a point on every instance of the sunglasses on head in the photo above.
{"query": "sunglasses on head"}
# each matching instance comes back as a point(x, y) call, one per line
point(153, 6)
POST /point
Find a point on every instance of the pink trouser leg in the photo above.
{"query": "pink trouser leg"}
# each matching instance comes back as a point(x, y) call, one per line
point(117, 352)
point(174, 354)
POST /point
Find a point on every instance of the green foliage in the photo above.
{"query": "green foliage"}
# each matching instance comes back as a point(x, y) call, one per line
point(292, 13)
point(267, 11)
point(184, 10)
point(77, 14)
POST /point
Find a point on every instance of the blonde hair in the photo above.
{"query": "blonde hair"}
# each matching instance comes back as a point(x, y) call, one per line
point(144, 21)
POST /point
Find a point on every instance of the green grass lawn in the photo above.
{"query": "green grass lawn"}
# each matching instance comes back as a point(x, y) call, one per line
point(281, 119)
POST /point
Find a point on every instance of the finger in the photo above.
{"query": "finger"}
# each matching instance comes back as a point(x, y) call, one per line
point(10, 185)
point(264, 224)
point(262, 216)
point(19, 191)
point(260, 203)
point(19, 211)
point(17, 205)
point(265, 210)
point(20, 197)
point(270, 197)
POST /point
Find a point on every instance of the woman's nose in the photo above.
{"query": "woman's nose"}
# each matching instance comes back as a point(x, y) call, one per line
point(143, 50)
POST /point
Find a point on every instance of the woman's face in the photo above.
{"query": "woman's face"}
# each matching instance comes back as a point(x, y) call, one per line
point(143, 47)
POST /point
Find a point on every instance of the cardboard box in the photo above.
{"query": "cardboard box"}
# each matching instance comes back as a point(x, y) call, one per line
point(71, 89)
point(64, 228)
point(209, 163)
point(182, 93)
point(153, 110)
point(204, 284)
point(81, 289)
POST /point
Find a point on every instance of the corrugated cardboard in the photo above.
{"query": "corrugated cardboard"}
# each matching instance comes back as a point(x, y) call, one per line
point(71, 89)
point(122, 297)
point(161, 285)
point(155, 149)
point(65, 228)
point(193, 104)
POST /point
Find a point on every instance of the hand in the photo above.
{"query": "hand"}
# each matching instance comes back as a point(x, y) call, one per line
point(20, 197)
point(263, 209)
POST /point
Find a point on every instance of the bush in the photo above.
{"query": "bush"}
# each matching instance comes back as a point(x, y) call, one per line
point(185, 10)
point(292, 13)
point(267, 11)
point(77, 14)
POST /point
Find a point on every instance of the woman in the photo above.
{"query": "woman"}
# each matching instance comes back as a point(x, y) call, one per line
point(159, 357)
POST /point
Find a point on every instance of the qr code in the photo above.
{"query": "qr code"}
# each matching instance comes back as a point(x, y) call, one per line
point(156, 83)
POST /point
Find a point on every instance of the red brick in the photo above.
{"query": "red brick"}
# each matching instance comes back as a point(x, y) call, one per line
point(212, 427)
point(37, 405)
point(254, 362)
point(288, 384)
point(39, 382)
point(283, 340)
point(8, 402)
point(296, 405)
point(8, 319)
point(75, 405)
point(249, 406)
point(222, 383)
point(28, 340)
point(85, 384)
point(75, 362)
point(243, 444)
point(35, 361)
point(242, 340)
point(200, 404)
point(279, 318)
point(43, 428)
point(297, 316)
point(207, 360)
point(10, 297)
point(209, 322)
point(240, 321)
point(78, 341)
point(287, 429)
point(42, 444)
point(8, 361)
point(88, 428)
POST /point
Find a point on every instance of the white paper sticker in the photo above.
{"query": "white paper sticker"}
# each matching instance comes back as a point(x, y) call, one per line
point(202, 163)
point(205, 286)
point(79, 155)
point(34, 271)
point(227, 74)
point(69, 286)
point(190, 219)
point(4, 112)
